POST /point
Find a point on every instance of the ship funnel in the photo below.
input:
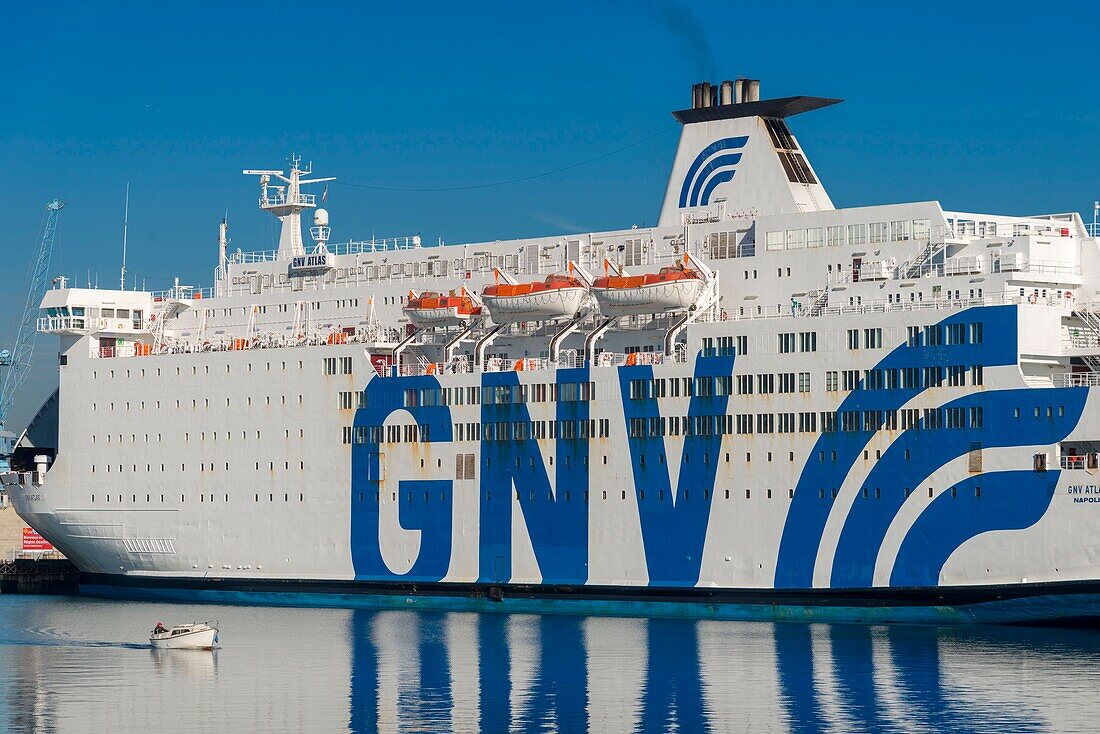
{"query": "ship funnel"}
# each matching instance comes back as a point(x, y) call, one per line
point(738, 158)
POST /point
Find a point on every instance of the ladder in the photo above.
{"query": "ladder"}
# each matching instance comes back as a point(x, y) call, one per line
point(819, 299)
point(1092, 320)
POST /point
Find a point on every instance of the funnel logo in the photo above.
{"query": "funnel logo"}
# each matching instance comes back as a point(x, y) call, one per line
point(713, 166)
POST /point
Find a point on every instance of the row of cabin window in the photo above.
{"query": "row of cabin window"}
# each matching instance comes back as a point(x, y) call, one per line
point(791, 382)
point(847, 421)
point(279, 307)
point(352, 400)
point(411, 433)
point(684, 495)
point(728, 245)
point(931, 335)
point(901, 230)
point(337, 365)
point(565, 392)
point(194, 370)
point(698, 425)
point(194, 403)
point(904, 378)
point(228, 436)
point(203, 467)
point(183, 498)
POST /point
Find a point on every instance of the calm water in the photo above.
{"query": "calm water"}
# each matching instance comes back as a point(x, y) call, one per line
point(77, 665)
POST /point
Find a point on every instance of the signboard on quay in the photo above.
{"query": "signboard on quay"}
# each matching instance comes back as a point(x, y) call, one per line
point(32, 541)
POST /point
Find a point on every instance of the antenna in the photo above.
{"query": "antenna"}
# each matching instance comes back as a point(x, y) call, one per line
point(125, 226)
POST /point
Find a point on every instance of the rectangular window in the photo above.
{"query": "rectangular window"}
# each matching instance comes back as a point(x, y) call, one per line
point(834, 235)
point(773, 241)
point(807, 341)
point(857, 234)
point(899, 231)
point(853, 338)
point(976, 417)
point(976, 332)
point(831, 381)
point(786, 343)
point(796, 239)
point(879, 232)
point(921, 229)
point(815, 237)
point(786, 382)
point(803, 381)
point(742, 345)
point(872, 338)
point(851, 379)
point(933, 418)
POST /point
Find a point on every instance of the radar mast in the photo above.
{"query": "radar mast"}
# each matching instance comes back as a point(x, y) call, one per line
point(287, 202)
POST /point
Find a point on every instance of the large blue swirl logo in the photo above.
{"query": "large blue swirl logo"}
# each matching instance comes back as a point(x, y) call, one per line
point(1010, 500)
point(713, 166)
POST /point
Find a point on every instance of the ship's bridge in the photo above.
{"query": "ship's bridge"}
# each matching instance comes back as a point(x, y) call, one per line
point(79, 311)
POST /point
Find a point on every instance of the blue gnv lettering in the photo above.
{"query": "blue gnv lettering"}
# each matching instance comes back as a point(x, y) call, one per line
point(674, 520)
point(384, 396)
point(556, 521)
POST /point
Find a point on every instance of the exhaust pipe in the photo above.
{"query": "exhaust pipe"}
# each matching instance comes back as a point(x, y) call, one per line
point(752, 90)
point(727, 93)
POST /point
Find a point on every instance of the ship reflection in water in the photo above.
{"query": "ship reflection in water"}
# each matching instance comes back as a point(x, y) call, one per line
point(77, 665)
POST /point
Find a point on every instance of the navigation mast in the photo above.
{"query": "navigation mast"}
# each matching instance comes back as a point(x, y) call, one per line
point(287, 202)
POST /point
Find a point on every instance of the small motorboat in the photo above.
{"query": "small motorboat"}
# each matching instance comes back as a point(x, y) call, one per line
point(191, 636)
point(674, 288)
point(429, 309)
point(557, 297)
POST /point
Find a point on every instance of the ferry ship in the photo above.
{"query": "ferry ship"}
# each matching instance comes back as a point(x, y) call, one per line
point(764, 407)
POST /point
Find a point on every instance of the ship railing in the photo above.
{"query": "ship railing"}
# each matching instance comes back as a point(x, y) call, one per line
point(276, 198)
point(1080, 379)
point(373, 336)
point(1072, 462)
point(527, 364)
point(873, 307)
point(182, 293)
point(351, 247)
point(1082, 338)
point(62, 323)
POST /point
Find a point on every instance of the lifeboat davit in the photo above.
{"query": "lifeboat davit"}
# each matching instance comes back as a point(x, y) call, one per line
point(429, 310)
point(674, 288)
point(557, 297)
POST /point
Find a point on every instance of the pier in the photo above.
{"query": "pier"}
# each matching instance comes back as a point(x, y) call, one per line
point(38, 576)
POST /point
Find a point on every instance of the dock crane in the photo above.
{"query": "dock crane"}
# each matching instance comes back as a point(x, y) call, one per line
point(18, 360)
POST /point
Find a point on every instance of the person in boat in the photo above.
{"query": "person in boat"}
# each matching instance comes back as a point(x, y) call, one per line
point(160, 629)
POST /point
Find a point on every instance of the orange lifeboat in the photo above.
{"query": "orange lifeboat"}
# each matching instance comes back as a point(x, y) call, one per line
point(673, 288)
point(431, 309)
point(557, 297)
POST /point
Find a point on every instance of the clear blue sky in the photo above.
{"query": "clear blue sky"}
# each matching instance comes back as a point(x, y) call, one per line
point(983, 107)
